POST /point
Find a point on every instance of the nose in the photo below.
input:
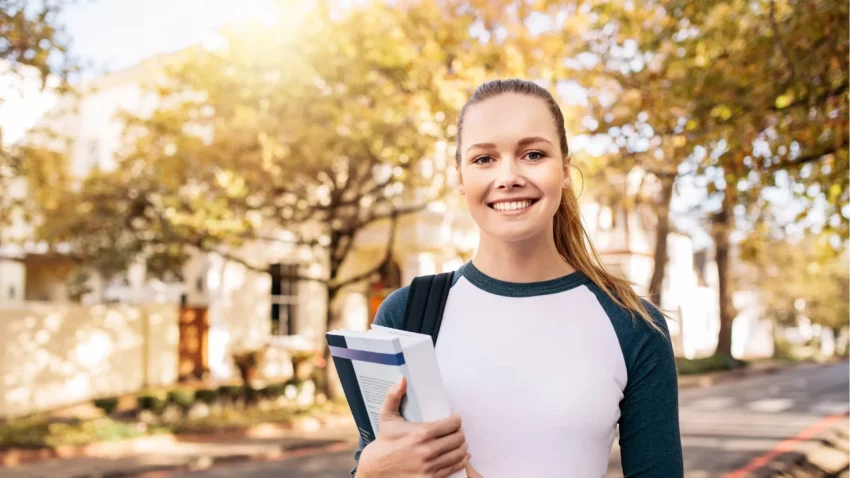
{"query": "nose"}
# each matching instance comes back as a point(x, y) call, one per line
point(508, 175)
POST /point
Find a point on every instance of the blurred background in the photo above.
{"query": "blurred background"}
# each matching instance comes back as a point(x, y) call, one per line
point(192, 192)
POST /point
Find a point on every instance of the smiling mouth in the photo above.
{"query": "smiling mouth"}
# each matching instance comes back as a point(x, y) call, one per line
point(512, 205)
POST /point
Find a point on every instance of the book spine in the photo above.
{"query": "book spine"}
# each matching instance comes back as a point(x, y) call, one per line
point(351, 388)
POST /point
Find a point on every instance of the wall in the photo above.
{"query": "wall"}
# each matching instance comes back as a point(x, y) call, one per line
point(12, 281)
point(52, 355)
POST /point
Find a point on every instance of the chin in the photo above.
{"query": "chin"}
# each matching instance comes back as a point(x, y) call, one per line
point(517, 233)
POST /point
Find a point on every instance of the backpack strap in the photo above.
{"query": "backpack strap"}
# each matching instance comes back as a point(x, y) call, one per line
point(426, 300)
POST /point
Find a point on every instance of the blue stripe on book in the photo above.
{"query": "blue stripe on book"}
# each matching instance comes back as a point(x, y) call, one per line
point(366, 356)
point(348, 380)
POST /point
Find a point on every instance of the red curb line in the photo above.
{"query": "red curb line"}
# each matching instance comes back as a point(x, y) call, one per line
point(785, 446)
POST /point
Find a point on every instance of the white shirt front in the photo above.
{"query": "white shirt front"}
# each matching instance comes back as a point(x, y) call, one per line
point(536, 380)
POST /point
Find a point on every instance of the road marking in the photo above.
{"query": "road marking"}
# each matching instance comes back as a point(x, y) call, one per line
point(787, 445)
point(771, 405)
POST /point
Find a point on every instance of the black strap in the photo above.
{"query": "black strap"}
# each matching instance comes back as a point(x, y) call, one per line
point(426, 300)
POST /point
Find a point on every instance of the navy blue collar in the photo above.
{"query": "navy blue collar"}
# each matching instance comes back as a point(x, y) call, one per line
point(521, 289)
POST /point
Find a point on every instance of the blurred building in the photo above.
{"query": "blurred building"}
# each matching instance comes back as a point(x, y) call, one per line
point(224, 306)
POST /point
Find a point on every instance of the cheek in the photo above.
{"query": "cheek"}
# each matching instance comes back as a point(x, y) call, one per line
point(550, 182)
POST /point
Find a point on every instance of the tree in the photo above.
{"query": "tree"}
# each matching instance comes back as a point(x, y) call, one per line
point(33, 47)
point(751, 92)
point(283, 134)
point(784, 110)
point(791, 273)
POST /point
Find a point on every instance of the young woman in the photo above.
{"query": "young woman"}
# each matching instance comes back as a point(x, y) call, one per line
point(543, 352)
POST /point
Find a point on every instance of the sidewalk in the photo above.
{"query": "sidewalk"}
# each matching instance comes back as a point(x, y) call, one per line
point(167, 453)
point(162, 453)
point(761, 367)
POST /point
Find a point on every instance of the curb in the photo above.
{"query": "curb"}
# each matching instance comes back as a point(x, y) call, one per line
point(825, 455)
point(150, 444)
point(203, 462)
point(717, 378)
point(21, 456)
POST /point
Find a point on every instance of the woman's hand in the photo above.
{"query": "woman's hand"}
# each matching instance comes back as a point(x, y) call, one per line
point(470, 471)
point(406, 449)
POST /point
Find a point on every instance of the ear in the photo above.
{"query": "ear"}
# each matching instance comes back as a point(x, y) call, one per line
point(567, 178)
point(459, 178)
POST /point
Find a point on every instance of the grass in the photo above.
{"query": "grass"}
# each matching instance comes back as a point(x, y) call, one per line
point(39, 432)
point(714, 363)
point(234, 419)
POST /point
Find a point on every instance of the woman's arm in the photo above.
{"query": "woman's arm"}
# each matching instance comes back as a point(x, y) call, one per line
point(389, 314)
point(650, 442)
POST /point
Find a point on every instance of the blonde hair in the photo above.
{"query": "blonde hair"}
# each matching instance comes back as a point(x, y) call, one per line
point(571, 238)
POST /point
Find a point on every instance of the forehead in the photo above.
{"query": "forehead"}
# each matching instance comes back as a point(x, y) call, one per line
point(506, 119)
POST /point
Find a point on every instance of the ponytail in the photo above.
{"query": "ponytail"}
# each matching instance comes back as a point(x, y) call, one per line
point(574, 244)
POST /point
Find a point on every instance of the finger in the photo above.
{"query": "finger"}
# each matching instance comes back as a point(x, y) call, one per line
point(446, 443)
point(451, 458)
point(444, 472)
point(470, 471)
point(392, 401)
point(443, 427)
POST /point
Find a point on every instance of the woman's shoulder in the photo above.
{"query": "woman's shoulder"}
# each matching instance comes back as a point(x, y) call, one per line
point(391, 311)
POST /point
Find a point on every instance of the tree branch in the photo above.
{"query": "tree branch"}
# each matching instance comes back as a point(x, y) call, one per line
point(779, 43)
point(387, 257)
point(809, 158)
point(395, 212)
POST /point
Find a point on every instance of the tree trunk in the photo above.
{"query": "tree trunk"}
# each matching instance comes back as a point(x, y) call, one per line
point(662, 230)
point(836, 340)
point(722, 226)
point(329, 385)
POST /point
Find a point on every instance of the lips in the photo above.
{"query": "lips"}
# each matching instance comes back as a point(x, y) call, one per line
point(512, 205)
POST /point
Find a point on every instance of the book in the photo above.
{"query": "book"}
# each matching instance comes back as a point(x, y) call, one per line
point(369, 363)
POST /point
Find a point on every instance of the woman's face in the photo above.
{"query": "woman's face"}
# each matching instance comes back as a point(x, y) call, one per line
point(512, 170)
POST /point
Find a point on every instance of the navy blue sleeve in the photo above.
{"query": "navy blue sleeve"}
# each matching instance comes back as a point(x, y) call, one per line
point(650, 440)
point(390, 314)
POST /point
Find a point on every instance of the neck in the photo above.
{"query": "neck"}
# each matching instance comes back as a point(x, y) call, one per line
point(534, 259)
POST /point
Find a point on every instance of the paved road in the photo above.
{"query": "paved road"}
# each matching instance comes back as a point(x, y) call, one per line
point(723, 427)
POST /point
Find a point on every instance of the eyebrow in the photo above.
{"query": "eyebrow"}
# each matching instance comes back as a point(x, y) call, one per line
point(522, 142)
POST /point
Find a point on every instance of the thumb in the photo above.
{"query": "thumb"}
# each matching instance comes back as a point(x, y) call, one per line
point(392, 401)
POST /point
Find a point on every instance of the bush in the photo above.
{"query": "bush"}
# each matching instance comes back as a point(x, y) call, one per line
point(784, 350)
point(28, 432)
point(252, 395)
point(37, 432)
point(108, 405)
point(182, 397)
point(320, 379)
point(206, 395)
point(273, 391)
point(152, 401)
point(714, 363)
point(230, 392)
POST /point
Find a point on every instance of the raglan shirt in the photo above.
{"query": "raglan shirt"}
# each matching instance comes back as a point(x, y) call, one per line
point(542, 374)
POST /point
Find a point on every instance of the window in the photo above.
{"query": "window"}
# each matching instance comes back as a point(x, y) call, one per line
point(284, 298)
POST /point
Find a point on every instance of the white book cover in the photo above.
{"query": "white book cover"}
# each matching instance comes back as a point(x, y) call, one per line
point(369, 363)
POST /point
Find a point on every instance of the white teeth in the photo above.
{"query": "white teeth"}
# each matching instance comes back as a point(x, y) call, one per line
point(511, 206)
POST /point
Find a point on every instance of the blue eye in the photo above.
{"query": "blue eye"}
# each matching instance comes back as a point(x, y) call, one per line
point(534, 155)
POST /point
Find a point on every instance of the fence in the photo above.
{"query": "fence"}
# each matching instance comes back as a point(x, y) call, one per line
point(53, 354)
